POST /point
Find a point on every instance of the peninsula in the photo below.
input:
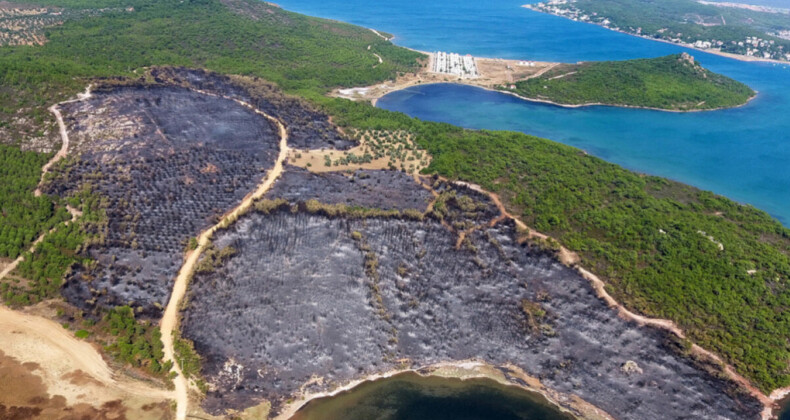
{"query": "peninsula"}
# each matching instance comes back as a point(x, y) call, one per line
point(671, 83)
point(219, 223)
point(675, 82)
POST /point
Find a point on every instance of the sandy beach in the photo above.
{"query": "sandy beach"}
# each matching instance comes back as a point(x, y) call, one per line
point(494, 72)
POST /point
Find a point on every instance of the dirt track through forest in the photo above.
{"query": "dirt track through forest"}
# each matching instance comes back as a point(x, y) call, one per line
point(13, 264)
point(572, 259)
point(91, 362)
point(64, 136)
point(56, 340)
point(170, 319)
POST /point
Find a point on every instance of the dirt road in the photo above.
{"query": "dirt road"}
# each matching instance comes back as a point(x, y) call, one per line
point(64, 136)
point(572, 259)
point(169, 323)
point(13, 264)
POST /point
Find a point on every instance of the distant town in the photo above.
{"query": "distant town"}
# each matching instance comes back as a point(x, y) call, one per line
point(750, 46)
point(455, 64)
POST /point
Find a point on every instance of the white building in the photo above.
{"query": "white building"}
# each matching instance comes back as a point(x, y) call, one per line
point(455, 64)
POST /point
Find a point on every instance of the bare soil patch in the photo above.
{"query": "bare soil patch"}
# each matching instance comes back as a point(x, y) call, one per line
point(46, 373)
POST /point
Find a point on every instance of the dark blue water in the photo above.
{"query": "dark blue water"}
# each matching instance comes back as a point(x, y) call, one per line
point(742, 153)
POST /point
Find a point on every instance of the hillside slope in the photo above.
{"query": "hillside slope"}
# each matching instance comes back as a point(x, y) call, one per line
point(729, 28)
point(650, 238)
point(674, 82)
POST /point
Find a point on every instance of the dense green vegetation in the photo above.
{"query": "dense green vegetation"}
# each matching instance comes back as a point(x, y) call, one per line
point(673, 82)
point(44, 268)
point(246, 37)
point(22, 216)
point(189, 360)
point(649, 238)
point(136, 343)
point(689, 21)
point(655, 242)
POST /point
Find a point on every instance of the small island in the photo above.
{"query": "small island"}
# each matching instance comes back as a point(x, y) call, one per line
point(674, 82)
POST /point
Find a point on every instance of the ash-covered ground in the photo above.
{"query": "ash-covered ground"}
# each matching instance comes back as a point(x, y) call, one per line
point(169, 162)
point(308, 128)
point(311, 296)
point(388, 190)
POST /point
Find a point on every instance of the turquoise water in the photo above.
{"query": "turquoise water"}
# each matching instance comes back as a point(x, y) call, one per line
point(742, 153)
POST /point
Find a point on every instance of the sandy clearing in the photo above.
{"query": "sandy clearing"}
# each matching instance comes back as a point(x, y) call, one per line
point(170, 319)
point(63, 357)
point(314, 159)
point(493, 72)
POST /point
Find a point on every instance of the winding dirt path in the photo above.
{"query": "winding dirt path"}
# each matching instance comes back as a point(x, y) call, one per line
point(571, 259)
point(170, 319)
point(40, 340)
point(381, 60)
point(380, 35)
point(543, 71)
point(64, 136)
point(13, 264)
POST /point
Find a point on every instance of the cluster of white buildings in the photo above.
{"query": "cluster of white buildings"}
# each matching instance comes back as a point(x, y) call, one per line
point(455, 64)
point(703, 44)
point(753, 46)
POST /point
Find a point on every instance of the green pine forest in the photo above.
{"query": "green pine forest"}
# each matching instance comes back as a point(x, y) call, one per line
point(649, 238)
point(671, 82)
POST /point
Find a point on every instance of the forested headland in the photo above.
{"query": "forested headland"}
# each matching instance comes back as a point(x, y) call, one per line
point(674, 82)
point(654, 241)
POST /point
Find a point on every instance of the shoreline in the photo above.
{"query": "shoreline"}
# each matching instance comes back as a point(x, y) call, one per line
point(769, 402)
point(678, 111)
point(373, 93)
point(387, 90)
point(739, 57)
point(572, 260)
point(464, 370)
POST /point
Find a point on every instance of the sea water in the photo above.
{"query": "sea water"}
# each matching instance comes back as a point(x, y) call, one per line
point(409, 396)
point(742, 153)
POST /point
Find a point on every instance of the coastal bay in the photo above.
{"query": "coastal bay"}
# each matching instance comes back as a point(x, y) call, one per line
point(746, 162)
point(537, 264)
